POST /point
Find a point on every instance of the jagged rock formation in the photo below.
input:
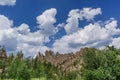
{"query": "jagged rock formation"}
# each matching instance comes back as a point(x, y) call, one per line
point(3, 55)
point(64, 62)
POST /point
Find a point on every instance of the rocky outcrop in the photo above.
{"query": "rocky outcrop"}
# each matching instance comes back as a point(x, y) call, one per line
point(64, 62)
point(3, 55)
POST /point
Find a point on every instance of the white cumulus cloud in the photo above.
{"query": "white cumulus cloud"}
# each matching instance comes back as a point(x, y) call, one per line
point(20, 38)
point(7, 34)
point(5, 23)
point(116, 42)
point(89, 13)
point(77, 15)
point(46, 23)
point(7, 2)
point(94, 34)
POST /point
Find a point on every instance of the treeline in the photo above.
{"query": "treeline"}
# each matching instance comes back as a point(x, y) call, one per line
point(97, 65)
point(101, 64)
point(17, 68)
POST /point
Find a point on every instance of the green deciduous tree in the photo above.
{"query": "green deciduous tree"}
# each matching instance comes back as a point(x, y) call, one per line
point(101, 64)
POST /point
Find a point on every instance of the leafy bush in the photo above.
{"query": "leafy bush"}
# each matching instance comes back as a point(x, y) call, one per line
point(101, 64)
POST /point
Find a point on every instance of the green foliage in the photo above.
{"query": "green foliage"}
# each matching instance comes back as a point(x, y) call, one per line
point(72, 75)
point(2, 64)
point(101, 64)
point(97, 65)
point(23, 73)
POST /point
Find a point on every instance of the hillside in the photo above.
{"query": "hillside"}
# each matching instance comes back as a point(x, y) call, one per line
point(86, 64)
point(64, 62)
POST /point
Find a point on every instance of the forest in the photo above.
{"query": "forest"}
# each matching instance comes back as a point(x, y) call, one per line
point(86, 64)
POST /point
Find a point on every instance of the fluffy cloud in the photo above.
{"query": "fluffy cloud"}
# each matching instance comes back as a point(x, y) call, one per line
point(116, 42)
point(47, 18)
point(7, 34)
point(30, 42)
point(92, 35)
point(31, 50)
point(75, 15)
point(5, 23)
point(23, 29)
point(46, 23)
point(20, 38)
point(89, 13)
point(72, 21)
point(7, 2)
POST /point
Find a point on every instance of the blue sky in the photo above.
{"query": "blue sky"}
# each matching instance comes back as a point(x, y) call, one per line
point(26, 10)
point(59, 25)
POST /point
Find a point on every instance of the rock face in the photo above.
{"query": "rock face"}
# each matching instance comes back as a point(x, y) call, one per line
point(64, 62)
point(3, 55)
